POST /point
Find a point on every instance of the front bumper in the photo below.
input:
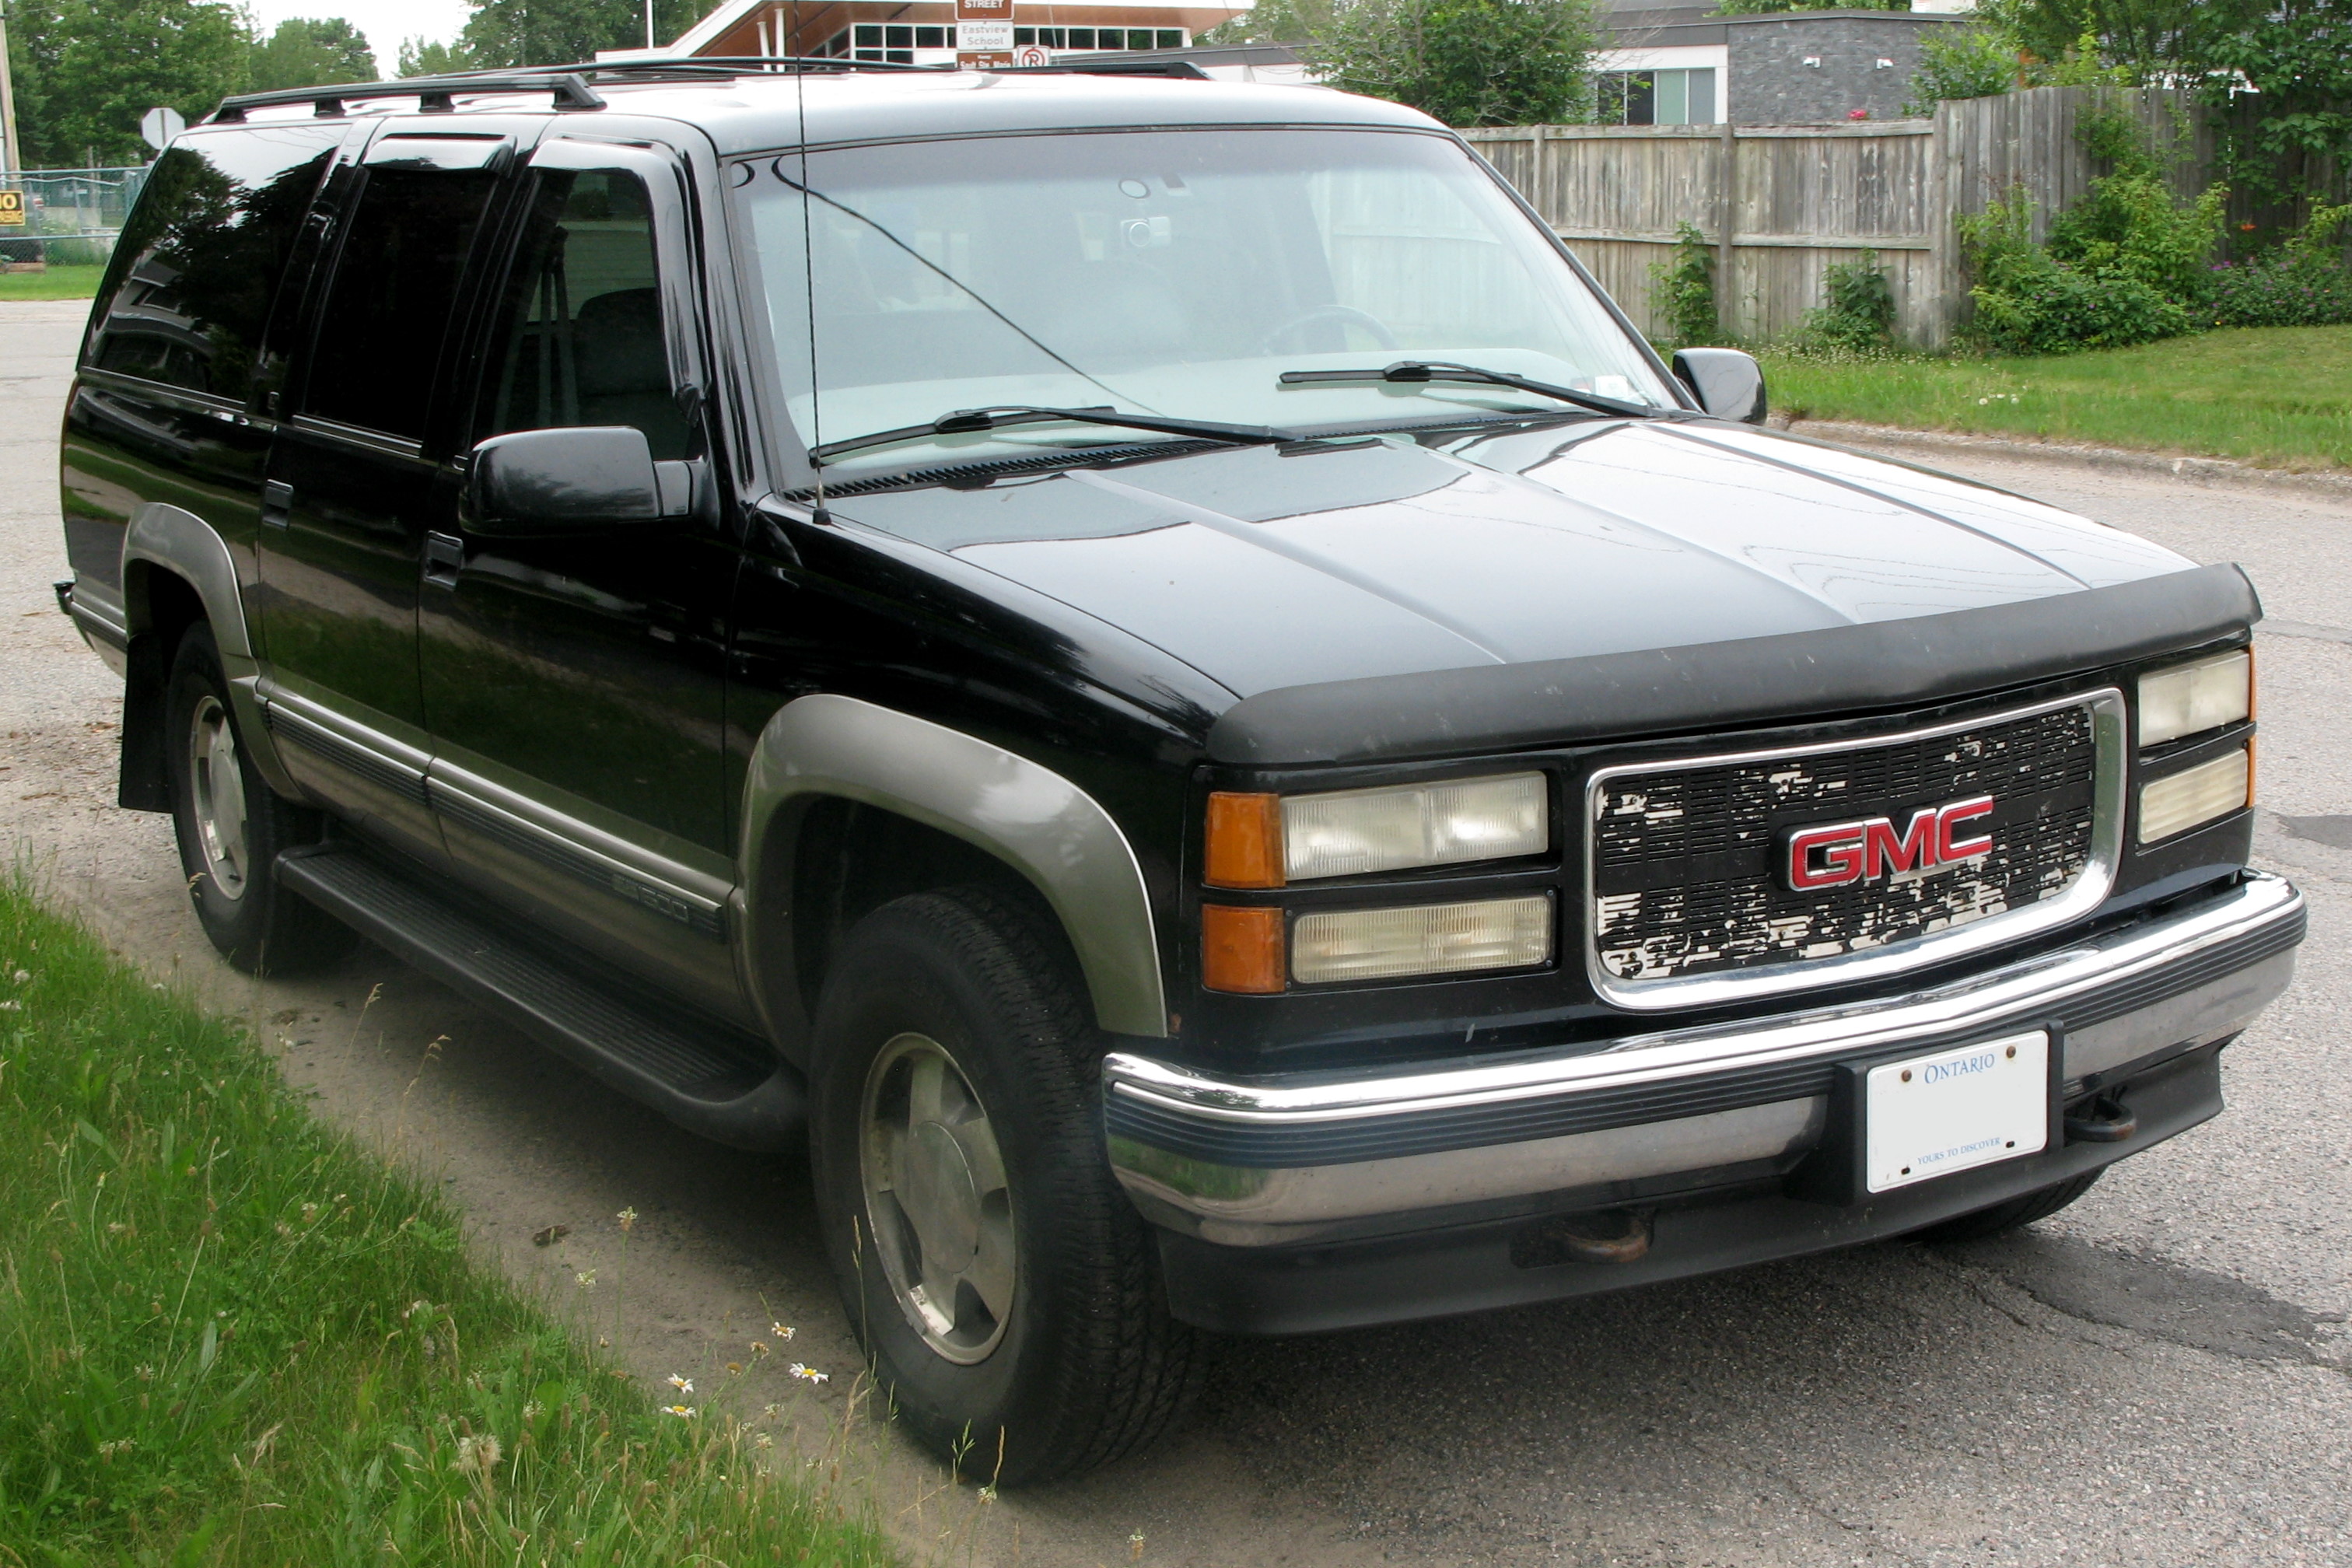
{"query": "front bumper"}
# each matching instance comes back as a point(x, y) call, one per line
point(1301, 1161)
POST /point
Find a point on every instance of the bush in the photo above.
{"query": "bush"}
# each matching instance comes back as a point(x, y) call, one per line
point(1858, 310)
point(1682, 290)
point(2028, 302)
point(1467, 62)
point(2277, 292)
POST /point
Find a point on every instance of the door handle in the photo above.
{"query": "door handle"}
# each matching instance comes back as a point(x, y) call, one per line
point(445, 558)
point(277, 503)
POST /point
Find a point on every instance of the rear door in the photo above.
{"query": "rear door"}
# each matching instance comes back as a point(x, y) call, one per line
point(353, 485)
point(574, 684)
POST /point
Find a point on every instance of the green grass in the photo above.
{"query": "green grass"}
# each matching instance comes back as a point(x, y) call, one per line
point(229, 1335)
point(57, 283)
point(2276, 397)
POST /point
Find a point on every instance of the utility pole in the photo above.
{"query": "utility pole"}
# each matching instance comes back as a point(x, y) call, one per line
point(11, 160)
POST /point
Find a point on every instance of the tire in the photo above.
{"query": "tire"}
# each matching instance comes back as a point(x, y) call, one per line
point(2014, 1215)
point(949, 1024)
point(231, 826)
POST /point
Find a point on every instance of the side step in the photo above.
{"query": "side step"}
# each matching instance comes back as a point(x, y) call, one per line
point(722, 1084)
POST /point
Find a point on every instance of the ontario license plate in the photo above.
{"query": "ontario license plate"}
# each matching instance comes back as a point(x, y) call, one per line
point(1956, 1109)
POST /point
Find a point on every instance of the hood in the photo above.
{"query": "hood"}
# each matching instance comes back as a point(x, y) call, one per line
point(1273, 567)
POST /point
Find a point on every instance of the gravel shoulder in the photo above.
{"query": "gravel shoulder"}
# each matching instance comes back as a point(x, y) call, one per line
point(2159, 1376)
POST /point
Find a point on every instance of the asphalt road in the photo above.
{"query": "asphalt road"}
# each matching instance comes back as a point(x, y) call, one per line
point(2157, 1376)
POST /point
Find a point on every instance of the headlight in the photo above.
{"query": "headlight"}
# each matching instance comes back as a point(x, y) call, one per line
point(1424, 939)
point(2190, 698)
point(2179, 802)
point(1264, 841)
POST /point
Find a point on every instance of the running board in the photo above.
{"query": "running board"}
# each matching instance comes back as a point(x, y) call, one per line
point(722, 1084)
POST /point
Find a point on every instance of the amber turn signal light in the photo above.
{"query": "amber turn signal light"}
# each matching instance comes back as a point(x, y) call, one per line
point(1244, 844)
point(1240, 950)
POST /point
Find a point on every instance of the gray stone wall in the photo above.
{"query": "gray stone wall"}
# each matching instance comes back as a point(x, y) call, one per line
point(1772, 85)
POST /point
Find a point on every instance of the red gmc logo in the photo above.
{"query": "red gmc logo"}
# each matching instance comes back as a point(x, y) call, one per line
point(1837, 853)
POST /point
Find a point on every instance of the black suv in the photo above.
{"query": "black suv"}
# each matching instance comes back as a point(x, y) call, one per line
point(1153, 667)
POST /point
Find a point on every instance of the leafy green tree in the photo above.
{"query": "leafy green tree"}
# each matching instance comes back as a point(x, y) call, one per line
point(1764, 7)
point(419, 57)
point(1467, 62)
point(307, 51)
point(558, 32)
point(2297, 58)
point(86, 70)
point(1275, 22)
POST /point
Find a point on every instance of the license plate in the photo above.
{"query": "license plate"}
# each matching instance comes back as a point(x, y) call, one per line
point(1956, 1109)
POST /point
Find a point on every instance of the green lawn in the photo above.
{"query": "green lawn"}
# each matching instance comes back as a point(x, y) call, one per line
point(57, 283)
point(2277, 396)
point(230, 1336)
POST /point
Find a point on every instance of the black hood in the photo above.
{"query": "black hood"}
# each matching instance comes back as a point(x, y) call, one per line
point(1268, 568)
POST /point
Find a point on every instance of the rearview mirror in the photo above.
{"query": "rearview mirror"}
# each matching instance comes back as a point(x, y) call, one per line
point(598, 476)
point(1729, 384)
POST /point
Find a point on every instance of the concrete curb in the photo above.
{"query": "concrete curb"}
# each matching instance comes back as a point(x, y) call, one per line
point(2210, 471)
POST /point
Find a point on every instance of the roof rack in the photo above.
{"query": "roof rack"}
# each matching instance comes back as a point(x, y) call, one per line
point(569, 83)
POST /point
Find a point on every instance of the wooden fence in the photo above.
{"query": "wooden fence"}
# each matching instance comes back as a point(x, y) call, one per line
point(1801, 198)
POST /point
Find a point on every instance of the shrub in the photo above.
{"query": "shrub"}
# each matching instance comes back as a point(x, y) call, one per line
point(2304, 284)
point(1682, 290)
point(1857, 313)
point(2028, 302)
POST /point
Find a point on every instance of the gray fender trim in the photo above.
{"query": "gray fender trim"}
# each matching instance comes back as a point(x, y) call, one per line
point(181, 542)
point(1029, 816)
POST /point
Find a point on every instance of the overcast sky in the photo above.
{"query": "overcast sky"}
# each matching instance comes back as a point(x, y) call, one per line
point(385, 22)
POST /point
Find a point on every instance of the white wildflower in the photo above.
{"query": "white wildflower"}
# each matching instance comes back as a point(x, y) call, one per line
point(797, 1370)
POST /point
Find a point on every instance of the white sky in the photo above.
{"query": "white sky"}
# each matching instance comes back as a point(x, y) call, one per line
point(385, 22)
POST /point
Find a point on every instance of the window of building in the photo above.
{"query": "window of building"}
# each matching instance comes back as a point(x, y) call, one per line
point(395, 286)
point(1656, 96)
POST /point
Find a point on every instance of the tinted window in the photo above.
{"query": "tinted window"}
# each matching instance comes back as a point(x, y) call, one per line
point(579, 330)
point(190, 285)
point(395, 285)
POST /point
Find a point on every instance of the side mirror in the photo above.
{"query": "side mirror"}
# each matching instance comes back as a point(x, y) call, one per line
point(554, 481)
point(1729, 384)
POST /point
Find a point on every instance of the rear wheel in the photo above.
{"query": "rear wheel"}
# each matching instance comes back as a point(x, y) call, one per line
point(1005, 1289)
point(2014, 1215)
point(231, 826)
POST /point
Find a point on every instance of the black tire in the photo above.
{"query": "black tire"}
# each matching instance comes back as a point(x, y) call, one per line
point(256, 925)
point(2014, 1215)
point(1086, 1365)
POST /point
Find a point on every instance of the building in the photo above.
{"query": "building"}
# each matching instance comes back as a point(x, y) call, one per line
point(942, 32)
point(1680, 62)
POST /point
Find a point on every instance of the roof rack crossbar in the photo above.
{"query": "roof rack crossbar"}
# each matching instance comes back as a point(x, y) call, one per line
point(567, 83)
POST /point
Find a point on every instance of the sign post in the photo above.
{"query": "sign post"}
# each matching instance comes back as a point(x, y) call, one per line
point(11, 159)
point(983, 34)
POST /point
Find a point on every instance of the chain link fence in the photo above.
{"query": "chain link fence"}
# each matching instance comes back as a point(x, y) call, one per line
point(70, 216)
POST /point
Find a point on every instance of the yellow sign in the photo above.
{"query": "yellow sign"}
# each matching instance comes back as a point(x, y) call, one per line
point(12, 208)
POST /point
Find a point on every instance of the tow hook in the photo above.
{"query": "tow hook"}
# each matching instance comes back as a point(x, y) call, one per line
point(1604, 1236)
point(2102, 1119)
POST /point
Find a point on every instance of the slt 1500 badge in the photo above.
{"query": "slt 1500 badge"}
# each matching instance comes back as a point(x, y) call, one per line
point(1834, 854)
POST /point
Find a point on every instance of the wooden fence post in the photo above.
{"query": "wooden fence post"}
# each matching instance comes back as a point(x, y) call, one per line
point(1727, 293)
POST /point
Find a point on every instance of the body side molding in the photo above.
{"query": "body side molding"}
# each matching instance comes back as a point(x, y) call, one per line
point(170, 539)
point(1029, 816)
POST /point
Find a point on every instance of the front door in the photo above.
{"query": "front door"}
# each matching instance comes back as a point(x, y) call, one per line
point(573, 684)
point(351, 486)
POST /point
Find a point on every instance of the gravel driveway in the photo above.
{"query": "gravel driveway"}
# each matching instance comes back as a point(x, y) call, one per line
point(2157, 1376)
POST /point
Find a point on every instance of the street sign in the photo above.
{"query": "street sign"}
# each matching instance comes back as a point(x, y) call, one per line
point(985, 37)
point(988, 60)
point(982, 11)
point(12, 209)
point(159, 125)
point(1030, 57)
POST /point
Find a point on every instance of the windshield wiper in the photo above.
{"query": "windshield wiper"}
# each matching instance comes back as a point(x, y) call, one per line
point(1417, 370)
point(963, 420)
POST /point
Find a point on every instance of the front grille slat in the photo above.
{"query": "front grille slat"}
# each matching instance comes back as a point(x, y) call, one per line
point(1684, 875)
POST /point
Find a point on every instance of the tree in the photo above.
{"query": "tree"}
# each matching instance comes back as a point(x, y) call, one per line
point(1275, 22)
point(420, 58)
point(1765, 7)
point(86, 70)
point(311, 52)
point(1467, 62)
point(2297, 59)
point(558, 32)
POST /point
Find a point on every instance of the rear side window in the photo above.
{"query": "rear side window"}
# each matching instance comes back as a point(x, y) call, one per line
point(189, 289)
point(395, 286)
point(579, 336)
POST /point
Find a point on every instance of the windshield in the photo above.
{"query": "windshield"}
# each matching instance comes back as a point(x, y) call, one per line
point(1173, 273)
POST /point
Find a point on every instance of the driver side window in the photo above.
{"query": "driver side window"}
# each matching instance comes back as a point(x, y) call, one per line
point(578, 339)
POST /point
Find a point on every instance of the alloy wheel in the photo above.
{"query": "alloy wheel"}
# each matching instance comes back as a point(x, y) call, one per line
point(216, 784)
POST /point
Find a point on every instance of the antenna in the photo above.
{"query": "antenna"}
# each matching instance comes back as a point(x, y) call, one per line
point(817, 513)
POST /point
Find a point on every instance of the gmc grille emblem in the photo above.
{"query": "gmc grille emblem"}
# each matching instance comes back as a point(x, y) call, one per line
point(1838, 852)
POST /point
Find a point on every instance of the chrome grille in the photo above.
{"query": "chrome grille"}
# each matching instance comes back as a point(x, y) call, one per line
point(1685, 888)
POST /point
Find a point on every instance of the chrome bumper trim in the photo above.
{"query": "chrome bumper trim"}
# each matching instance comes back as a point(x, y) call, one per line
point(1259, 1160)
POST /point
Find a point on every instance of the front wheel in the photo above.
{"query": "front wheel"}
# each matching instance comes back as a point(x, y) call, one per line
point(2014, 1215)
point(231, 826)
point(1002, 1285)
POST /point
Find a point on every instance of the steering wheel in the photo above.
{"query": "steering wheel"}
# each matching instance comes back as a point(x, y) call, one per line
point(1379, 329)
